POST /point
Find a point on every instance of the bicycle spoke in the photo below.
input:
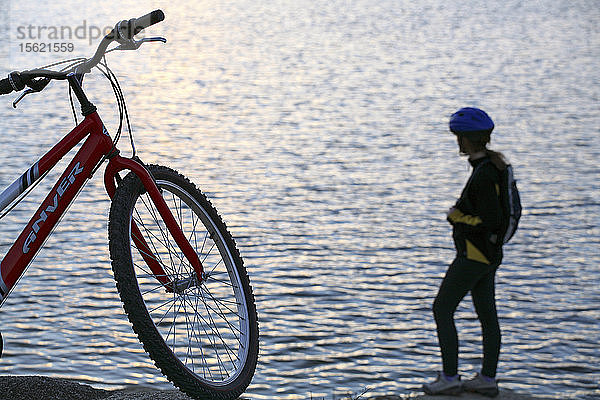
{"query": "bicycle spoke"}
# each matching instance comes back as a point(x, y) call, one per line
point(204, 363)
point(218, 335)
point(193, 232)
point(157, 288)
point(203, 323)
point(189, 352)
point(160, 306)
point(139, 222)
point(173, 327)
point(167, 247)
point(203, 243)
point(220, 313)
point(164, 232)
point(179, 214)
point(215, 267)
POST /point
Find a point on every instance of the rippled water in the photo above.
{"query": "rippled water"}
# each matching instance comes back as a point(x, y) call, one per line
point(319, 131)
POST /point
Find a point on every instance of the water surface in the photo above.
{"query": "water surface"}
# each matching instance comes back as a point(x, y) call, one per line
point(319, 132)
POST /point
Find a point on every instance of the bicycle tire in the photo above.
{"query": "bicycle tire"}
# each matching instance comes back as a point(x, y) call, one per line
point(205, 338)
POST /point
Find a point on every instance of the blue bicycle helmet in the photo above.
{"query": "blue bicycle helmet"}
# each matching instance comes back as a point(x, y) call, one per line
point(470, 120)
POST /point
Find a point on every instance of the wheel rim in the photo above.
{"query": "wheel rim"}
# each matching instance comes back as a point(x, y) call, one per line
point(205, 325)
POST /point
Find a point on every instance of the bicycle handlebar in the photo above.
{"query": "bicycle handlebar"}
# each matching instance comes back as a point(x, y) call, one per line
point(141, 23)
point(123, 31)
point(6, 87)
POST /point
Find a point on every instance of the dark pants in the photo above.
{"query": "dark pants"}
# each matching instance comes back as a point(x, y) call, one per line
point(463, 276)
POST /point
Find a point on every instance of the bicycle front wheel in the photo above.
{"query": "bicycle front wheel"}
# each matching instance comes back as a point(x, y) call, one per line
point(202, 334)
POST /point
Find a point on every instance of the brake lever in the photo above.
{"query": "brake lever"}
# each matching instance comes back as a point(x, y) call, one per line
point(135, 44)
point(23, 94)
point(35, 86)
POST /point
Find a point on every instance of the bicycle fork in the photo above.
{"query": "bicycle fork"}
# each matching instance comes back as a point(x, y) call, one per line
point(117, 164)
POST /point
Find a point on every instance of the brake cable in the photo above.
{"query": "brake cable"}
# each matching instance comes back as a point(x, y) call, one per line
point(122, 105)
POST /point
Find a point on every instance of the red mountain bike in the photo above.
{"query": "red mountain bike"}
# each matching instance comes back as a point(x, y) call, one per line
point(179, 274)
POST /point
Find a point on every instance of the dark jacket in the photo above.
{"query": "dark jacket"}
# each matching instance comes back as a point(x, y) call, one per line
point(477, 217)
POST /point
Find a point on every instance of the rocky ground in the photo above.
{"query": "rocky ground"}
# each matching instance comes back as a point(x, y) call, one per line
point(505, 394)
point(44, 388)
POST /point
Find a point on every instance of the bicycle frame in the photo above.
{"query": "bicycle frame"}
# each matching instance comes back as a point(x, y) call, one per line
point(94, 150)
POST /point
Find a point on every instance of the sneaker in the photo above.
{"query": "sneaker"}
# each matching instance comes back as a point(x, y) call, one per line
point(482, 385)
point(443, 385)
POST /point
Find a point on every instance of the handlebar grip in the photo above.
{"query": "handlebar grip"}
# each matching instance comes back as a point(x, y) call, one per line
point(147, 20)
point(14, 82)
point(5, 86)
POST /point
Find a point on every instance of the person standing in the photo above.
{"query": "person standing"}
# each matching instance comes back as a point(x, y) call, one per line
point(478, 221)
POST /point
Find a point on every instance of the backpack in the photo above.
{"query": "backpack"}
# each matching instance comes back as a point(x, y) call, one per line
point(511, 201)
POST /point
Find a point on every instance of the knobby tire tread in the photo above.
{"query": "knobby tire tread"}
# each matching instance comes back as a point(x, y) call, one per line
point(120, 250)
